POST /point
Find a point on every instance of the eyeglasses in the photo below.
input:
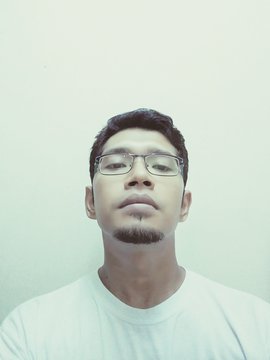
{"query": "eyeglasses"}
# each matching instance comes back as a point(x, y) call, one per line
point(156, 164)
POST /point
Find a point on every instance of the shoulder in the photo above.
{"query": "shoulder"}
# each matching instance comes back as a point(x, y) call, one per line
point(227, 299)
point(45, 321)
point(218, 290)
point(54, 304)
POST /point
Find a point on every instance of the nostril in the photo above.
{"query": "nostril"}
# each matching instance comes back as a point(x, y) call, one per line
point(134, 183)
point(147, 183)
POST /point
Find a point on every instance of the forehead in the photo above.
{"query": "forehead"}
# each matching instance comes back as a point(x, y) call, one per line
point(138, 141)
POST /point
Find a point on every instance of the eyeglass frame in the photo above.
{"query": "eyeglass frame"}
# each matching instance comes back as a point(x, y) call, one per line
point(179, 160)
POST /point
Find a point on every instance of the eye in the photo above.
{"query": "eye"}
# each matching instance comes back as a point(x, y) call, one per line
point(115, 166)
point(160, 167)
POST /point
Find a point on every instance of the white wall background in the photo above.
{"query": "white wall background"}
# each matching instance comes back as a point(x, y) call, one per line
point(67, 66)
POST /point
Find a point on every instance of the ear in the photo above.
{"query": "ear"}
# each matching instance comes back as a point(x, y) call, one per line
point(89, 203)
point(186, 202)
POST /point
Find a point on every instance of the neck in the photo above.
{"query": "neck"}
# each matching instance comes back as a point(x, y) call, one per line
point(141, 276)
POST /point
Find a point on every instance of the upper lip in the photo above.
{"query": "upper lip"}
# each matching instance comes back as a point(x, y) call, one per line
point(138, 199)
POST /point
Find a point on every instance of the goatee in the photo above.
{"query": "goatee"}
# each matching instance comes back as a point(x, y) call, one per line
point(136, 235)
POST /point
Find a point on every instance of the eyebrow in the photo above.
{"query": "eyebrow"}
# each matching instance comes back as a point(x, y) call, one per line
point(123, 150)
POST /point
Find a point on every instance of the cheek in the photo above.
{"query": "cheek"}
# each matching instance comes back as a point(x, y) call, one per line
point(104, 201)
point(173, 200)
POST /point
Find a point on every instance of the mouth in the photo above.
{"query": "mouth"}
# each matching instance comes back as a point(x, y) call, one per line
point(138, 199)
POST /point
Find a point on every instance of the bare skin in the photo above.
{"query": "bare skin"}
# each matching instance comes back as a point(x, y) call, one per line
point(140, 275)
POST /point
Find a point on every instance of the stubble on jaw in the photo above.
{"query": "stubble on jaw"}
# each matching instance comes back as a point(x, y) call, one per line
point(135, 235)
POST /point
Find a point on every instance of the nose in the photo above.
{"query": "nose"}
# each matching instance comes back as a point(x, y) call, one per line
point(139, 176)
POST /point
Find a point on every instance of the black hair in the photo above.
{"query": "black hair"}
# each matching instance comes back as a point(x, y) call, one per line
point(145, 119)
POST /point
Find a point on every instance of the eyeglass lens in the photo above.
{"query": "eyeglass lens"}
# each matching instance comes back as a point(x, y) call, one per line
point(122, 163)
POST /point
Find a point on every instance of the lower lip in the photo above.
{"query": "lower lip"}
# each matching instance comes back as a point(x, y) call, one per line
point(139, 208)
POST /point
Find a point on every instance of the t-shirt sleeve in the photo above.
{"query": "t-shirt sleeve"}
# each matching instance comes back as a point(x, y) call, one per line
point(13, 344)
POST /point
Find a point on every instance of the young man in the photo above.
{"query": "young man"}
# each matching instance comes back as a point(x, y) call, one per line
point(140, 304)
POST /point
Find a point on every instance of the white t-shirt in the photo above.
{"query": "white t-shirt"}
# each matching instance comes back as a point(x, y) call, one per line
point(203, 320)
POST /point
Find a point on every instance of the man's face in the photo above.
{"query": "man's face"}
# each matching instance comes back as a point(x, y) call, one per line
point(158, 199)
